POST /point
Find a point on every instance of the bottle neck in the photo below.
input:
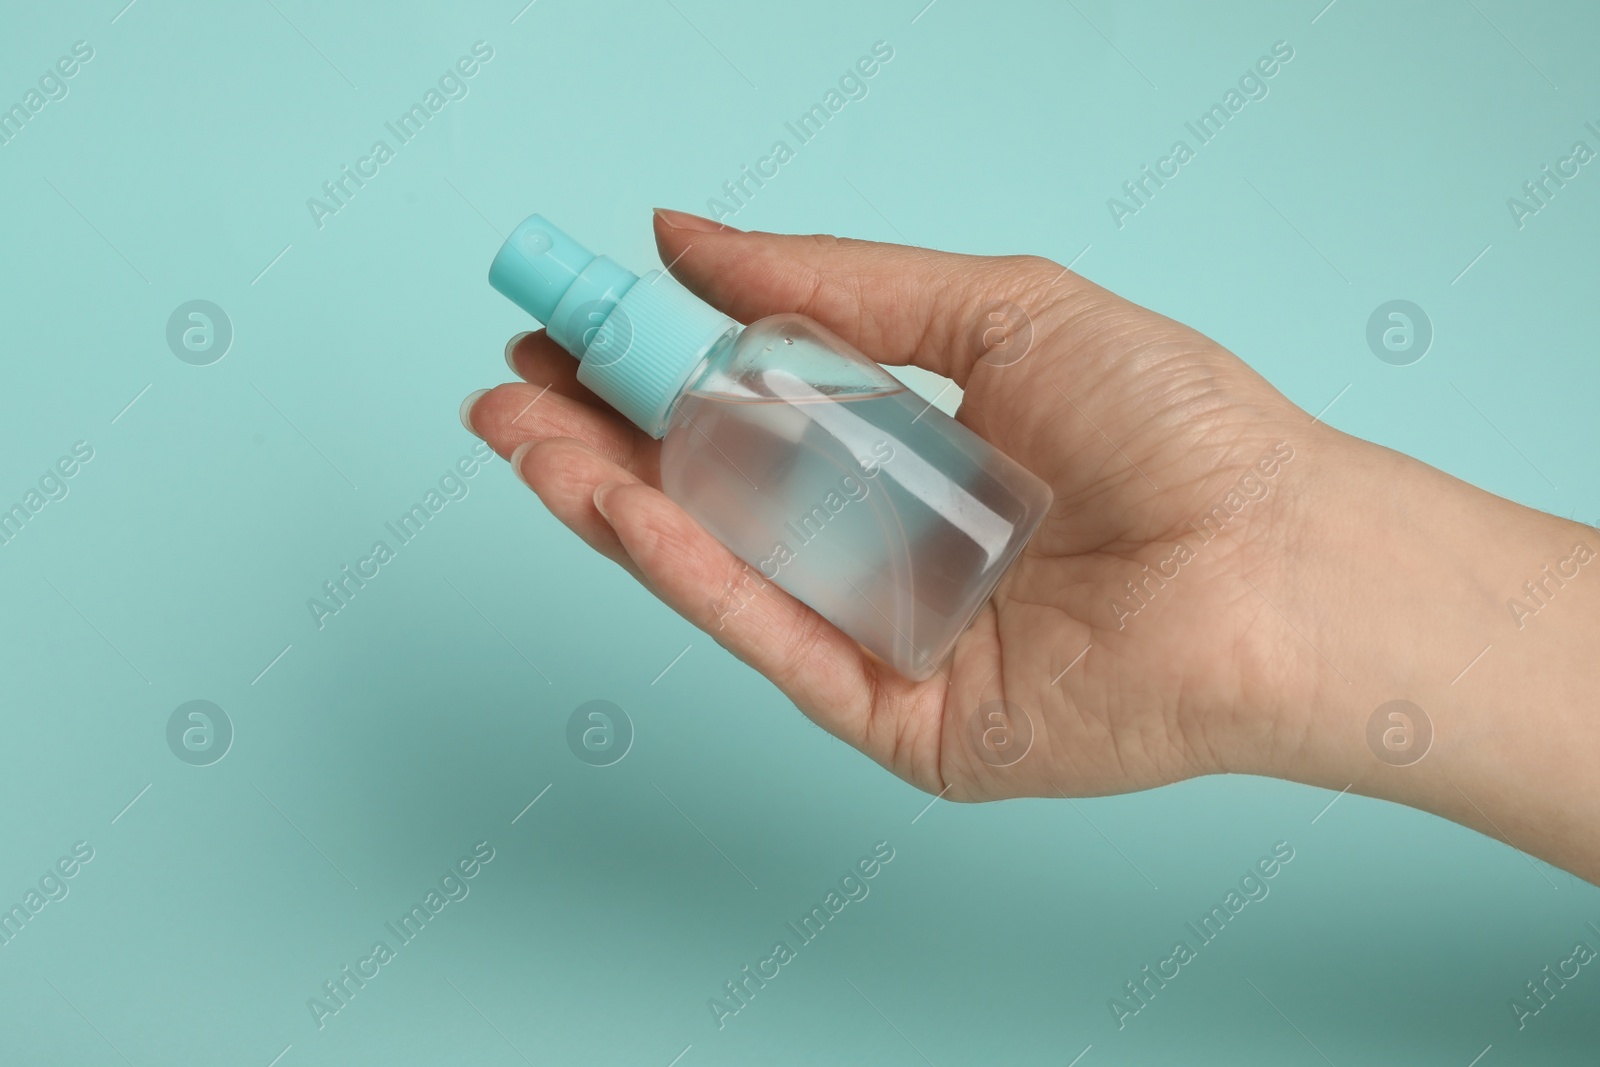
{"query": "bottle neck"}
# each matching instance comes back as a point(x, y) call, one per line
point(710, 364)
point(652, 346)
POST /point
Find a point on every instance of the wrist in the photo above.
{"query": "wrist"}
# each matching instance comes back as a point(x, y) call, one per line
point(1478, 612)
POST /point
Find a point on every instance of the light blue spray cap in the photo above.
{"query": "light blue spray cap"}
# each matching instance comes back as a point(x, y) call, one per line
point(638, 340)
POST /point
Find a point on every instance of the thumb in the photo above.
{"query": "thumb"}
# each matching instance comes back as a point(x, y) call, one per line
point(898, 304)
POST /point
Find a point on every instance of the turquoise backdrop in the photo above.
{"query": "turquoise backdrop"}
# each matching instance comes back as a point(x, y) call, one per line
point(228, 465)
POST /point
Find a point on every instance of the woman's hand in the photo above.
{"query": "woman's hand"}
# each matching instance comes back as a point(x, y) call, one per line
point(1196, 601)
point(1141, 426)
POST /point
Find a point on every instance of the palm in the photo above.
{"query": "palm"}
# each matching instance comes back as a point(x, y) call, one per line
point(1117, 696)
point(1139, 424)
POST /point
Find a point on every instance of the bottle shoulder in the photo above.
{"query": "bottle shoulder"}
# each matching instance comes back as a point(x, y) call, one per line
point(790, 357)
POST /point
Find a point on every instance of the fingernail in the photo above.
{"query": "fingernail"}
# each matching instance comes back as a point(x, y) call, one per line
point(466, 411)
point(511, 347)
point(515, 459)
point(682, 220)
point(601, 492)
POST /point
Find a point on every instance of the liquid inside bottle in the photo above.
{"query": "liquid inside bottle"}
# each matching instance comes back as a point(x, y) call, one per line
point(825, 474)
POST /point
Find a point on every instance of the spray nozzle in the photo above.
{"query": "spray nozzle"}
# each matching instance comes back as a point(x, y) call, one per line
point(559, 282)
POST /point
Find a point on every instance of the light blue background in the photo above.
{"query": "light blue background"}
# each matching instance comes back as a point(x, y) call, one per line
point(377, 750)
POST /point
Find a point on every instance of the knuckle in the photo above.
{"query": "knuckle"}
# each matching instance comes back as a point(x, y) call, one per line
point(655, 542)
point(1032, 265)
point(1033, 278)
point(802, 644)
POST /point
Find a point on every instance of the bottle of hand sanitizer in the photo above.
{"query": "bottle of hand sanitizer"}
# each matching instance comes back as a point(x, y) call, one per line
point(809, 461)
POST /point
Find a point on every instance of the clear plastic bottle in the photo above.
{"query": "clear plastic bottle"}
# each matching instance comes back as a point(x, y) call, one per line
point(812, 463)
